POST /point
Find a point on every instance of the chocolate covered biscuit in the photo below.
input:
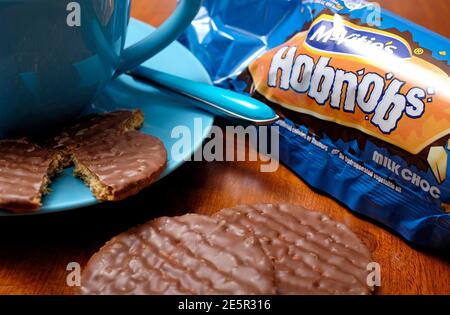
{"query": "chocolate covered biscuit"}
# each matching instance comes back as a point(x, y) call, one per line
point(191, 255)
point(25, 172)
point(91, 126)
point(114, 159)
point(118, 166)
point(312, 254)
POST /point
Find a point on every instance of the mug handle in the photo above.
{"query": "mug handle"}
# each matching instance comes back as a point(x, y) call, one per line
point(161, 38)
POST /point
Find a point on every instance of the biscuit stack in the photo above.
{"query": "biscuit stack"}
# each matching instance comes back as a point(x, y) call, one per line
point(108, 152)
point(260, 249)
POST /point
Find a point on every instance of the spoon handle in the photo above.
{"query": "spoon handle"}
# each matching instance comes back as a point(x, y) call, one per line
point(213, 99)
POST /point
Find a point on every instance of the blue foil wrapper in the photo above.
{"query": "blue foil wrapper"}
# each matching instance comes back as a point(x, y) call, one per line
point(228, 35)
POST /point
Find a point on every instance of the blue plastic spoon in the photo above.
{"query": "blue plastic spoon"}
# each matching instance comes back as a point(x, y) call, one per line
point(210, 98)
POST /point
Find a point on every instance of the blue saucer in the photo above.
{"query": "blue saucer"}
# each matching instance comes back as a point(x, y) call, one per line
point(162, 114)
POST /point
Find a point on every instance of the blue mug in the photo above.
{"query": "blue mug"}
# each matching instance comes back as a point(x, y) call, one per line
point(57, 55)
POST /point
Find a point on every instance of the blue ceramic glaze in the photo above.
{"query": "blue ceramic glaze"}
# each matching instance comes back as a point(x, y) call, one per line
point(52, 64)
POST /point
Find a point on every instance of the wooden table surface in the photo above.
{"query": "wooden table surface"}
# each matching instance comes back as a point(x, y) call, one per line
point(34, 251)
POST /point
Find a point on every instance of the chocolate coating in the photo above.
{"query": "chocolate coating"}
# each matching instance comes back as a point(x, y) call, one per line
point(23, 171)
point(123, 164)
point(91, 126)
point(192, 254)
point(312, 254)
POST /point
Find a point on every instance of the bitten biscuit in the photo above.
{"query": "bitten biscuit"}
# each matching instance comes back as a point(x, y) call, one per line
point(188, 255)
point(312, 254)
point(92, 126)
point(111, 157)
point(116, 167)
point(25, 173)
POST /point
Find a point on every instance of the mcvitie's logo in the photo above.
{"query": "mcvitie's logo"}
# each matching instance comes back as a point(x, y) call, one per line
point(329, 35)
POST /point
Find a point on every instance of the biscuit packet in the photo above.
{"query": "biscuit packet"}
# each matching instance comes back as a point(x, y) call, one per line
point(364, 97)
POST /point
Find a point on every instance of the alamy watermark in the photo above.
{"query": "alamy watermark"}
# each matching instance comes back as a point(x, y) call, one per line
point(373, 280)
point(73, 278)
point(74, 17)
point(372, 16)
point(230, 144)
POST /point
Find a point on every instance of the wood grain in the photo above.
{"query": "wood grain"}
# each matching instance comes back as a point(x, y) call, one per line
point(34, 251)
